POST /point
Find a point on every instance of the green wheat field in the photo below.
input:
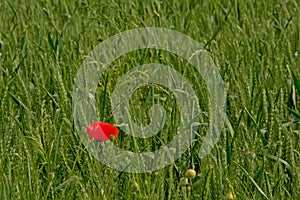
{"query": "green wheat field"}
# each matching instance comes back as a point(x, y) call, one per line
point(255, 46)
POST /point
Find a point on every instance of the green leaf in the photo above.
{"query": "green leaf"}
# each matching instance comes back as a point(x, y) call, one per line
point(296, 114)
point(295, 80)
point(252, 180)
point(262, 137)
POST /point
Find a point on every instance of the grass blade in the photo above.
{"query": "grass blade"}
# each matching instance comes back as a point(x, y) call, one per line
point(252, 180)
point(262, 137)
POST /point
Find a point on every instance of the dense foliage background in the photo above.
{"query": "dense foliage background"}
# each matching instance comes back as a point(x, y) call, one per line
point(255, 45)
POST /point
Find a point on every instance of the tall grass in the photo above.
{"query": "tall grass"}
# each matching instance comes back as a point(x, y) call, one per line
point(255, 45)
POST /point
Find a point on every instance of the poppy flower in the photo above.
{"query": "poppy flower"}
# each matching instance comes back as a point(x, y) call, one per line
point(102, 131)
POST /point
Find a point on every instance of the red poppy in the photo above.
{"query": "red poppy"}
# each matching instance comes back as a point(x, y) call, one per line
point(102, 131)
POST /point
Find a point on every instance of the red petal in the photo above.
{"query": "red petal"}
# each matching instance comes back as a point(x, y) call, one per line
point(99, 134)
point(109, 130)
point(101, 131)
point(89, 129)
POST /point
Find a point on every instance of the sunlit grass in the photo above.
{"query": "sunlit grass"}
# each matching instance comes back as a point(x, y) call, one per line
point(255, 47)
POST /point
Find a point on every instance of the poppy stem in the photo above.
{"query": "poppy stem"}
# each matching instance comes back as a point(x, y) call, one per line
point(179, 175)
